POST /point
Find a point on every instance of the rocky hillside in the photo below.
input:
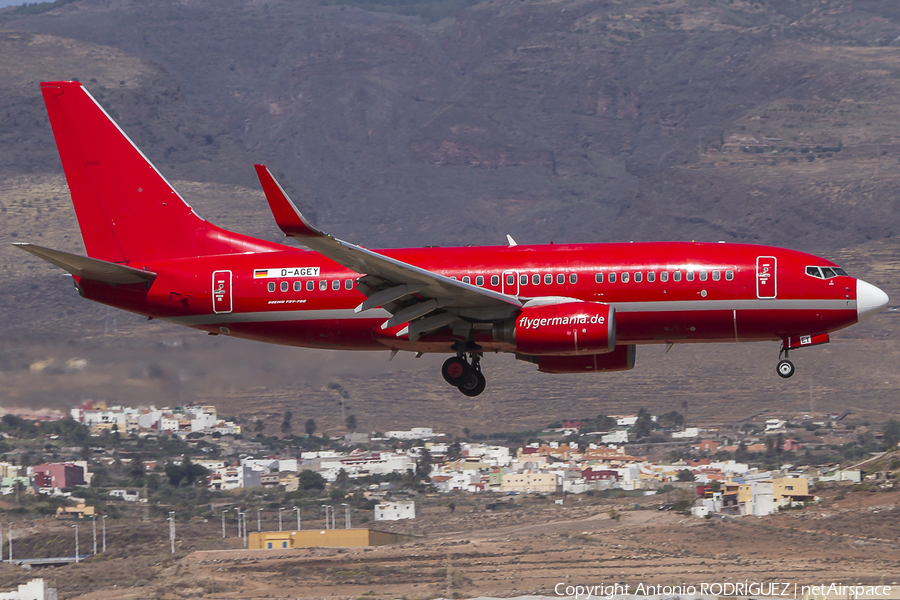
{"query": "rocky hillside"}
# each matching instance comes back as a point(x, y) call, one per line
point(771, 122)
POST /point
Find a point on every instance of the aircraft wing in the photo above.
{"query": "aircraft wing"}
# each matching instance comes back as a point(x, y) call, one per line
point(406, 291)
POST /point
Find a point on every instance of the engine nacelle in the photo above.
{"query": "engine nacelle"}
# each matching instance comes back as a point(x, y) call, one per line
point(568, 329)
point(620, 359)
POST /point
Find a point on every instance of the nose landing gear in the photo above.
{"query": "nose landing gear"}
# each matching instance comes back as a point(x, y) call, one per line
point(465, 374)
point(784, 368)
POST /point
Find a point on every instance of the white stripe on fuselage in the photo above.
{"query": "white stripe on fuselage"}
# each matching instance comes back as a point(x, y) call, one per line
point(635, 307)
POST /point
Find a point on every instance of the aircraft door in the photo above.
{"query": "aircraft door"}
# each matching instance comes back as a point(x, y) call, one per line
point(221, 291)
point(510, 283)
point(766, 278)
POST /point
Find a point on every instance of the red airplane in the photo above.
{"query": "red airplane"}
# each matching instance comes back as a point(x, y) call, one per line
point(569, 308)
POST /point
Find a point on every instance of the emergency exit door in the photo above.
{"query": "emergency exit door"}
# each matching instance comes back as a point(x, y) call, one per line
point(221, 291)
point(766, 278)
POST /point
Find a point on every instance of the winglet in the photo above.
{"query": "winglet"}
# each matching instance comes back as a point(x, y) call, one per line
point(511, 241)
point(288, 218)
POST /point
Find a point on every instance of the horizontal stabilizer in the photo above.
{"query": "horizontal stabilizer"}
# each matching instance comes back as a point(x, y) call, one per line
point(89, 268)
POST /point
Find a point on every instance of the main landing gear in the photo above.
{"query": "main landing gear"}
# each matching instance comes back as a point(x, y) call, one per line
point(784, 368)
point(465, 374)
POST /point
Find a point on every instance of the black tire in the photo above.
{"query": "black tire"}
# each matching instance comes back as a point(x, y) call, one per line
point(784, 368)
point(456, 371)
point(474, 385)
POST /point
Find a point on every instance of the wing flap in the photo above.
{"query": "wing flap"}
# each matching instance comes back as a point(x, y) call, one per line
point(88, 268)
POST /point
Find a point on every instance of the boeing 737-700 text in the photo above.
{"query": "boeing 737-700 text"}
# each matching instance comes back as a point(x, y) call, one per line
point(569, 308)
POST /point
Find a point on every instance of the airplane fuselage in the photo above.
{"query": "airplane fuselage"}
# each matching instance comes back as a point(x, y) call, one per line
point(666, 292)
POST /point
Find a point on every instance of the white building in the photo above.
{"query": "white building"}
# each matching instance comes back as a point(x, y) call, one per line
point(615, 437)
point(394, 511)
point(689, 432)
point(416, 433)
point(36, 589)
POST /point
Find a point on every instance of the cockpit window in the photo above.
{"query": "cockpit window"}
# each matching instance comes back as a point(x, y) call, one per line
point(825, 272)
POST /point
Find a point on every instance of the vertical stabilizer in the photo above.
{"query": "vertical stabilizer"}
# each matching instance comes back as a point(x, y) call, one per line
point(126, 209)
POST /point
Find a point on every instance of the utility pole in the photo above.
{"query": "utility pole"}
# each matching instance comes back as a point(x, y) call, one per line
point(10, 543)
point(76, 543)
point(298, 518)
point(171, 520)
point(224, 512)
point(103, 522)
point(258, 521)
point(280, 512)
point(94, 530)
point(346, 515)
point(244, 523)
point(238, 517)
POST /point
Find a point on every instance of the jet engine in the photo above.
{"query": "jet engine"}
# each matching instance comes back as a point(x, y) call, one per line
point(566, 329)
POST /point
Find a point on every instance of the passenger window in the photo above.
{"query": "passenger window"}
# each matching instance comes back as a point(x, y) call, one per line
point(510, 280)
point(336, 284)
point(536, 279)
point(298, 285)
point(651, 276)
point(676, 275)
point(548, 278)
point(625, 277)
point(638, 277)
point(703, 275)
point(467, 279)
point(612, 277)
point(717, 275)
point(560, 278)
point(523, 279)
point(310, 285)
point(348, 284)
point(664, 276)
point(284, 286)
point(479, 281)
point(729, 275)
point(323, 285)
point(573, 277)
point(495, 280)
point(690, 275)
point(598, 278)
point(271, 286)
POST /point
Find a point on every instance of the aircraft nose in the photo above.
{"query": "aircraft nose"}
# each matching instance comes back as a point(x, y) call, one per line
point(869, 300)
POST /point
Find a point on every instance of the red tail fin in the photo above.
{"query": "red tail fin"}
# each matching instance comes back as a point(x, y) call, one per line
point(126, 209)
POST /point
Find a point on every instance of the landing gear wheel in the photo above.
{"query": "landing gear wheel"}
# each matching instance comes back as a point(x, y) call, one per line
point(785, 368)
point(474, 385)
point(456, 371)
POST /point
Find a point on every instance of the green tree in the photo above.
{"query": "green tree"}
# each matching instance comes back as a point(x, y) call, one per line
point(259, 426)
point(742, 454)
point(351, 422)
point(423, 465)
point(454, 451)
point(891, 432)
point(644, 424)
point(310, 480)
point(310, 427)
point(685, 475)
point(286, 423)
point(136, 468)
